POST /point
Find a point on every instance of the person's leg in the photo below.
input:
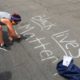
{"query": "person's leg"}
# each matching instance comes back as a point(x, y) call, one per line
point(11, 37)
point(1, 36)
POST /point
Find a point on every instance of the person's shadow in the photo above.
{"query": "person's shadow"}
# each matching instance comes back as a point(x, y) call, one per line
point(6, 75)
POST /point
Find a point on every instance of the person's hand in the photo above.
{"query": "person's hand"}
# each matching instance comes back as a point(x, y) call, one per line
point(18, 36)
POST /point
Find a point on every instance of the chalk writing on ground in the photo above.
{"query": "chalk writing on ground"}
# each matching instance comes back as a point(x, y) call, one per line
point(3, 49)
point(44, 24)
point(60, 38)
point(64, 40)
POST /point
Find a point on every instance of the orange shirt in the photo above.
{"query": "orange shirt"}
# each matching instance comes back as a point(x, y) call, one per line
point(9, 25)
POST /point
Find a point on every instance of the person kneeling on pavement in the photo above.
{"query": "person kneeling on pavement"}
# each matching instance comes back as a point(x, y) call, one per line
point(9, 20)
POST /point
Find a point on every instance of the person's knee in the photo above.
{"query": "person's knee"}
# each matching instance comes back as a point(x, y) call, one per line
point(0, 28)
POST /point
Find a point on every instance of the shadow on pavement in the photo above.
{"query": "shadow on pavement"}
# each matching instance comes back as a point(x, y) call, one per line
point(7, 75)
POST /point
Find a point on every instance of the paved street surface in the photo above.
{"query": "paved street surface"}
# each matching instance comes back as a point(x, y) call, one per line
point(54, 29)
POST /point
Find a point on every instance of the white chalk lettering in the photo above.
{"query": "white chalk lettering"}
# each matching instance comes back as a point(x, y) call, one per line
point(74, 44)
point(59, 45)
point(62, 37)
point(42, 45)
point(77, 56)
point(25, 26)
point(3, 49)
point(47, 55)
point(32, 35)
point(39, 41)
point(31, 28)
point(42, 22)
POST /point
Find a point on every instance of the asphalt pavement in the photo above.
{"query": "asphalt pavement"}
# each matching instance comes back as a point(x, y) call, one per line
point(54, 29)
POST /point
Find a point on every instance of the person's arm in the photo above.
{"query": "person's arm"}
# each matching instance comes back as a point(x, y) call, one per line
point(10, 26)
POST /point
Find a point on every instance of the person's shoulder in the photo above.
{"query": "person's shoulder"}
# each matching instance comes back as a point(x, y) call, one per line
point(5, 20)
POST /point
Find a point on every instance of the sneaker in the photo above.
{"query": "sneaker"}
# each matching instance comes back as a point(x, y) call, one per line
point(5, 46)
